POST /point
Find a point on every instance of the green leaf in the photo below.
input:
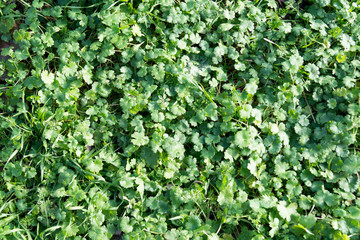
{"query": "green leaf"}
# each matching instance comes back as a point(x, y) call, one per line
point(287, 211)
point(251, 88)
point(139, 139)
point(313, 71)
point(225, 197)
point(242, 139)
point(308, 221)
point(127, 181)
point(225, 27)
point(354, 212)
point(94, 165)
point(174, 148)
point(340, 236)
point(47, 78)
point(299, 230)
point(341, 58)
point(193, 222)
point(125, 225)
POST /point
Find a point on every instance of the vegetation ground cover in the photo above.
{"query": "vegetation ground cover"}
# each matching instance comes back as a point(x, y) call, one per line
point(179, 119)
